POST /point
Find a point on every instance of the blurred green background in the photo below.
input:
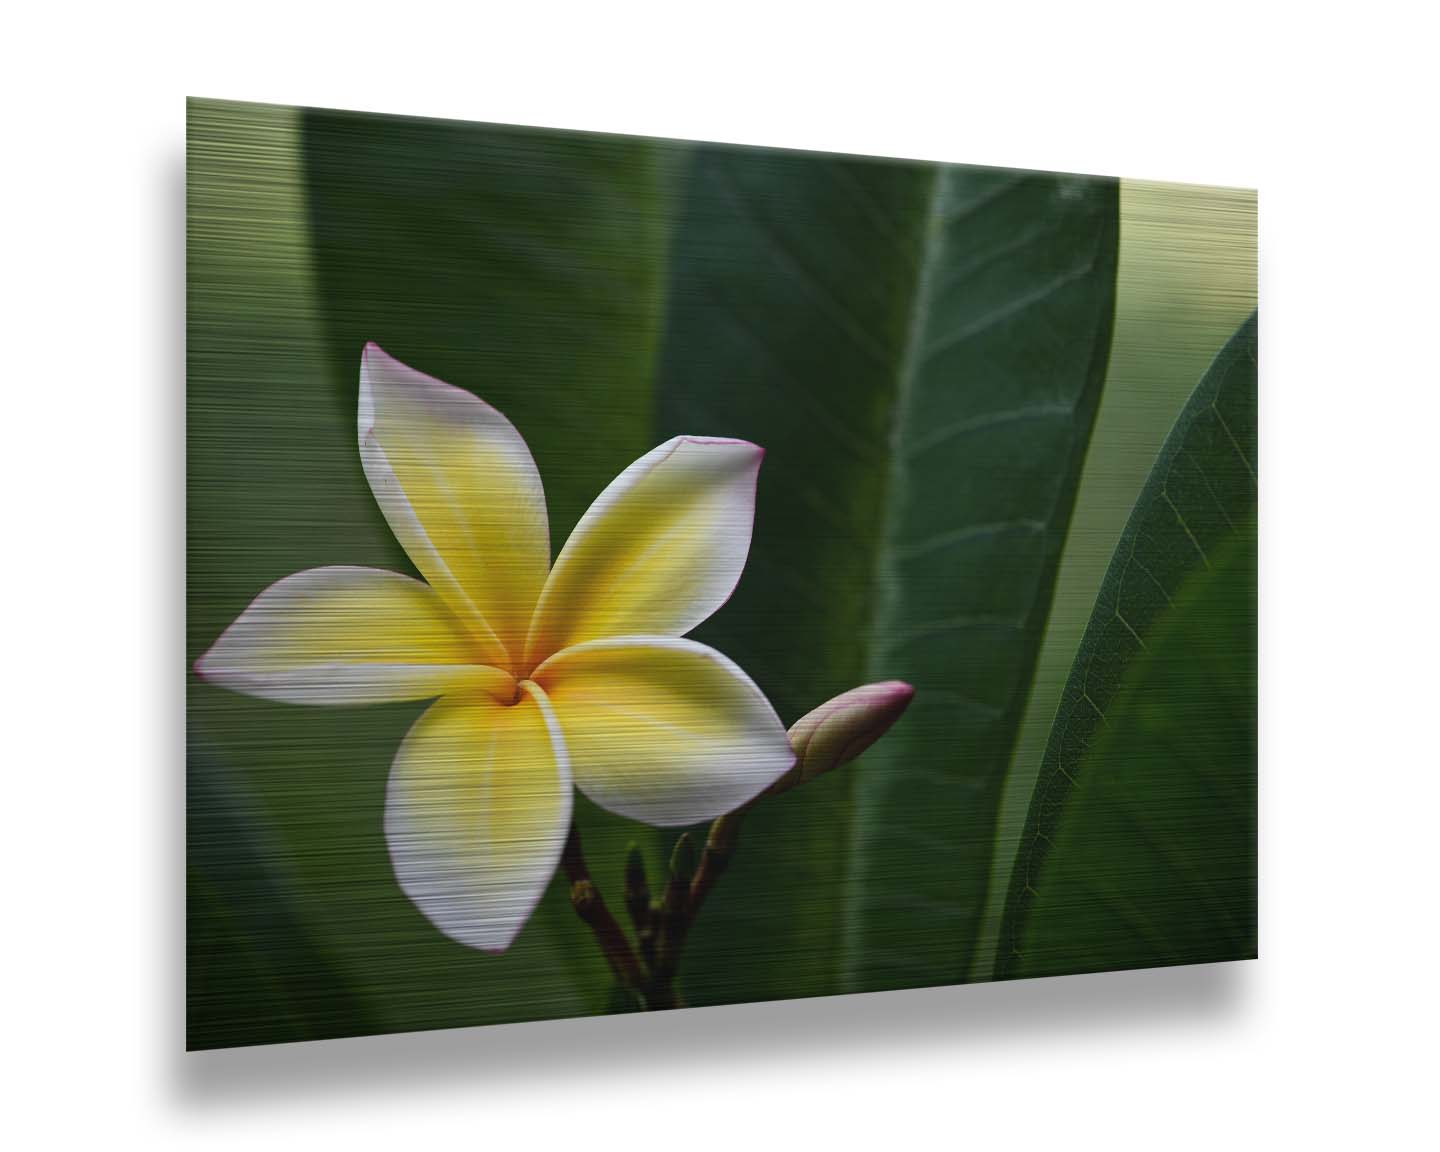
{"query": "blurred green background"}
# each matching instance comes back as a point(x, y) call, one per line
point(921, 351)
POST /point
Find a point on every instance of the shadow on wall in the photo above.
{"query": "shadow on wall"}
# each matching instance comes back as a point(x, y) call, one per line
point(622, 1049)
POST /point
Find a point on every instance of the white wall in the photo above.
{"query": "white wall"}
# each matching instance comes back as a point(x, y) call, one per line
point(1327, 1039)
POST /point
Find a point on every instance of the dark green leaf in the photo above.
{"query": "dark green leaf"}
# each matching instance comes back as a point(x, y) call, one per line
point(527, 267)
point(241, 931)
point(1139, 848)
point(920, 350)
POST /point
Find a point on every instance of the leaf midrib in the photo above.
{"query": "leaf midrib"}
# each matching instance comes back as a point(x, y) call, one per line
point(884, 572)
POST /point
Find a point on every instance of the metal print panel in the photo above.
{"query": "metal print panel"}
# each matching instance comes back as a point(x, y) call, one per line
point(625, 575)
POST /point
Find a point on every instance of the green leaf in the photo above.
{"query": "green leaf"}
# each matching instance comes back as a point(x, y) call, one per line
point(525, 266)
point(920, 349)
point(1139, 848)
point(242, 931)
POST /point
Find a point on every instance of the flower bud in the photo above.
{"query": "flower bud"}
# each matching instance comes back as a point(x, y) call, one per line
point(637, 888)
point(683, 858)
point(842, 728)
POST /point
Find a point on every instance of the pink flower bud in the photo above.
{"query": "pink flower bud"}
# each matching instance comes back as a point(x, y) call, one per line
point(842, 728)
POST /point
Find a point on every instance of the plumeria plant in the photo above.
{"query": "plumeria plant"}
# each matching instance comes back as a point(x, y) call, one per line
point(544, 677)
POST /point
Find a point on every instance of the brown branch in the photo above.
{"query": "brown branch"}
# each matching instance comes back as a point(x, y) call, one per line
point(637, 889)
point(823, 740)
point(661, 926)
point(674, 923)
point(590, 905)
point(719, 847)
point(643, 913)
point(714, 860)
point(720, 843)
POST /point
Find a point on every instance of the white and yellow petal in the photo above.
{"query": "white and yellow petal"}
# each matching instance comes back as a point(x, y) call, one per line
point(662, 729)
point(660, 549)
point(461, 492)
point(346, 635)
point(476, 815)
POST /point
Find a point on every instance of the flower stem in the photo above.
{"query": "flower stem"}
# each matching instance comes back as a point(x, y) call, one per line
point(661, 925)
point(585, 898)
point(824, 739)
point(719, 847)
point(637, 903)
point(674, 918)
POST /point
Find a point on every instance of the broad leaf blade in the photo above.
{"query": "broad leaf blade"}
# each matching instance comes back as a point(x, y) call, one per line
point(920, 350)
point(242, 931)
point(524, 265)
point(1139, 848)
point(527, 267)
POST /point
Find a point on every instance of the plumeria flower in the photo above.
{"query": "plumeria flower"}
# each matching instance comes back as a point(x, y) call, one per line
point(546, 677)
